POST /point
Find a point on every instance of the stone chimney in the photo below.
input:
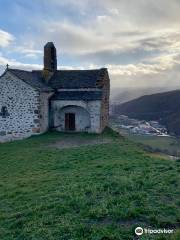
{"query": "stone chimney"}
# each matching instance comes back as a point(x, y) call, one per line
point(50, 60)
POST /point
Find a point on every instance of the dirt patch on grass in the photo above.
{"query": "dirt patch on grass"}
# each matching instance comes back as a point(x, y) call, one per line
point(77, 142)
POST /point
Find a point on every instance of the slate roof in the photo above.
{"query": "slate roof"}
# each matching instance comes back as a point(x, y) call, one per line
point(78, 95)
point(33, 78)
point(77, 78)
point(66, 79)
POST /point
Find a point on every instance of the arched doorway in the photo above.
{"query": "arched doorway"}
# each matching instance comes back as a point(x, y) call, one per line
point(72, 118)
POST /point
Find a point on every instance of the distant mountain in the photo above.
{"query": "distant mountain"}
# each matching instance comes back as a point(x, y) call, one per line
point(164, 107)
point(124, 94)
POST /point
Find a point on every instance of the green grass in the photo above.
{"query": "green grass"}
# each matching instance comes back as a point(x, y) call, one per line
point(168, 145)
point(99, 192)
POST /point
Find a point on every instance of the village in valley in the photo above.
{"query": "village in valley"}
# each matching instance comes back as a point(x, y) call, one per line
point(139, 127)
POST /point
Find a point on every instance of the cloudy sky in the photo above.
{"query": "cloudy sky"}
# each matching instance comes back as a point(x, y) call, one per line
point(138, 40)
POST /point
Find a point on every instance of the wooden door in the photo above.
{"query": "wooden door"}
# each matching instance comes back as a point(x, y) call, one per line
point(69, 121)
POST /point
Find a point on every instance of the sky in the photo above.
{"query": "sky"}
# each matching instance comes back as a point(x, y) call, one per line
point(137, 40)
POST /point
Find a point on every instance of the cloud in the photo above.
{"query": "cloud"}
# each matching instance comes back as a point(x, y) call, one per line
point(13, 63)
point(5, 38)
point(114, 35)
point(155, 66)
point(27, 52)
point(139, 41)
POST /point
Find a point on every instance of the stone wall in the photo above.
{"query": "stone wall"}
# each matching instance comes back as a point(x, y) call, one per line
point(94, 108)
point(105, 102)
point(22, 104)
point(87, 114)
point(44, 111)
point(27, 110)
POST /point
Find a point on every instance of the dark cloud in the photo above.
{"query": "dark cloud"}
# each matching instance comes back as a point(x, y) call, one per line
point(129, 56)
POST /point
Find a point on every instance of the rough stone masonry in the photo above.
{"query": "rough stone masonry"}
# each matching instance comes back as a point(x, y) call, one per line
point(32, 102)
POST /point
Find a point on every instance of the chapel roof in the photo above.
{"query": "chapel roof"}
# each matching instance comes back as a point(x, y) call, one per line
point(62, 79)
point(77, 78)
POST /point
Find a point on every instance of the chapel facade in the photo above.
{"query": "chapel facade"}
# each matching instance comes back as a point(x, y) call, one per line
point(33, 102)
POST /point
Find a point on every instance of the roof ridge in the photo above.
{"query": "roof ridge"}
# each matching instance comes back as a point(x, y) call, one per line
point(15, 69)
point(90, 78)
point(95, 69)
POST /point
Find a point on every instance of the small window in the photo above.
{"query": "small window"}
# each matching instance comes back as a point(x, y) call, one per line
point(4, 112)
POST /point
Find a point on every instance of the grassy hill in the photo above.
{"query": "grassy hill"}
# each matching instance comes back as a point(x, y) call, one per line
point(160, 106)
point(93, 192)
point(169, 146)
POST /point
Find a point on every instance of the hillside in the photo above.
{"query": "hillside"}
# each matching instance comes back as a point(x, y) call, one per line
point(161, 106)
point(121, 95)
point(97, 191)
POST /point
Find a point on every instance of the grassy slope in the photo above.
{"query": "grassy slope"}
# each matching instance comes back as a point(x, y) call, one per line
point(167, 145)
point(91, 192)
